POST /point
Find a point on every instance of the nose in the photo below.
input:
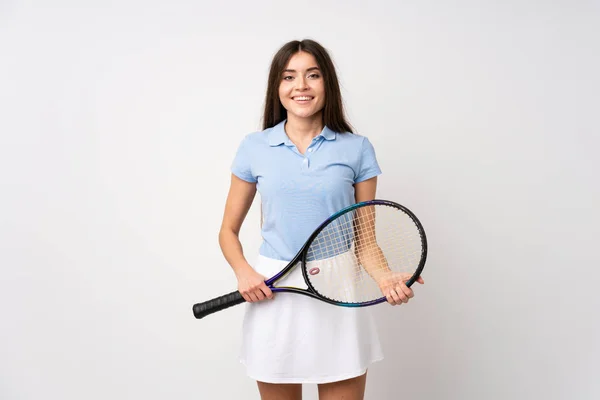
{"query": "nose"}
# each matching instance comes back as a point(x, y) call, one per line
point(301, 83)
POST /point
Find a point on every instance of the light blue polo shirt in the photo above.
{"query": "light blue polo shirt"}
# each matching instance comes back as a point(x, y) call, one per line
point(298, 192)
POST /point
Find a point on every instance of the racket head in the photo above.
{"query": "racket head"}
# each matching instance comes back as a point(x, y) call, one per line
point(362, 246)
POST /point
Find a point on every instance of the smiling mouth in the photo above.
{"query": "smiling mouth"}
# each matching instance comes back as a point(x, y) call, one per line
point(302, 99)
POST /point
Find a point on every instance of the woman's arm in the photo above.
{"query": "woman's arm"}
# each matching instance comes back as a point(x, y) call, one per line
point(370, 255)
point(367, 251)
point(251, 284)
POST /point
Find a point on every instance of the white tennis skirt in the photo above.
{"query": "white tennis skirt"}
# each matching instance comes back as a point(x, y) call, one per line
point(298, 339)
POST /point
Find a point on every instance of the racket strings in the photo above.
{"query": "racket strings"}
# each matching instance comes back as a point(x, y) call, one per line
point(362, 250)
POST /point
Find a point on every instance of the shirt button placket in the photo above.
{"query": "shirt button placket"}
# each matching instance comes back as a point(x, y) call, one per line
point(305, 163)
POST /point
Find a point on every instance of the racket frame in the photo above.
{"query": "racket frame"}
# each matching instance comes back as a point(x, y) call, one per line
point(302, 254)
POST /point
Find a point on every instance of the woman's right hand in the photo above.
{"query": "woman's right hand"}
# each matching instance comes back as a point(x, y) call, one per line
point(251, 285)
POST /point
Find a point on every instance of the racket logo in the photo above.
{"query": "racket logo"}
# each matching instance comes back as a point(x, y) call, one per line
point(314, 271)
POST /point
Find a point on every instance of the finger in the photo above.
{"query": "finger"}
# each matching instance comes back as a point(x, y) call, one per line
point(246, 297)
point(388, 296)
point(403, 289)
point(386, 293)
point(259, 294)
point(395, 297)
point(401, 295)
point(420, 280)
point(389, 299)
point(252, 296)
point(267, 291)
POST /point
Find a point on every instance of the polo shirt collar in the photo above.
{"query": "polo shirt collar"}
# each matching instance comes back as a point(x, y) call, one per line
point(278, 136)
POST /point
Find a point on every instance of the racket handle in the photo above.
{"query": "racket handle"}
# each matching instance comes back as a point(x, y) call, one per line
point(201, 310)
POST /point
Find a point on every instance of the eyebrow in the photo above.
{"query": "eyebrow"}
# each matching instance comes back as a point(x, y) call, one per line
point(293, 70)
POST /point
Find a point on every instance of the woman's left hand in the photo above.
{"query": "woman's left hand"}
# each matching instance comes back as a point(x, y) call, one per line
point(395, 290)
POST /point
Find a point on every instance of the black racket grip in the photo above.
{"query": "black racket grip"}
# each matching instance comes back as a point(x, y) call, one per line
point(201, 310)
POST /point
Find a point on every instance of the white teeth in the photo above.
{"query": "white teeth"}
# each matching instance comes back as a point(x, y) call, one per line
point(303, 98)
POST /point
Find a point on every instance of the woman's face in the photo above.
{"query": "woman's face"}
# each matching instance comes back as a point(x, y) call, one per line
point(301, 90)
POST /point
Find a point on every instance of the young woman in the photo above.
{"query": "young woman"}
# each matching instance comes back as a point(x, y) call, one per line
point(306, 164)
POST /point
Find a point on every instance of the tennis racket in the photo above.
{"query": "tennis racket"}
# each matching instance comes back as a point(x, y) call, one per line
point(350, 257)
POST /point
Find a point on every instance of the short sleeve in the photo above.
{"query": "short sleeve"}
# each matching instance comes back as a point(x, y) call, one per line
point(242, 162)
point(368, 166)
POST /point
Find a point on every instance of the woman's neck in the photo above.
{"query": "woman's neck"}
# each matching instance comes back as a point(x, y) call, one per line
point(302, 130)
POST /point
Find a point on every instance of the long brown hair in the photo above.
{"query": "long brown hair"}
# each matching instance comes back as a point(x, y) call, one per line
point(333, 111)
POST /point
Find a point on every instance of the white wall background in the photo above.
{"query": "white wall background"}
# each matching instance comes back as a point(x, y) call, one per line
point(119, 121)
